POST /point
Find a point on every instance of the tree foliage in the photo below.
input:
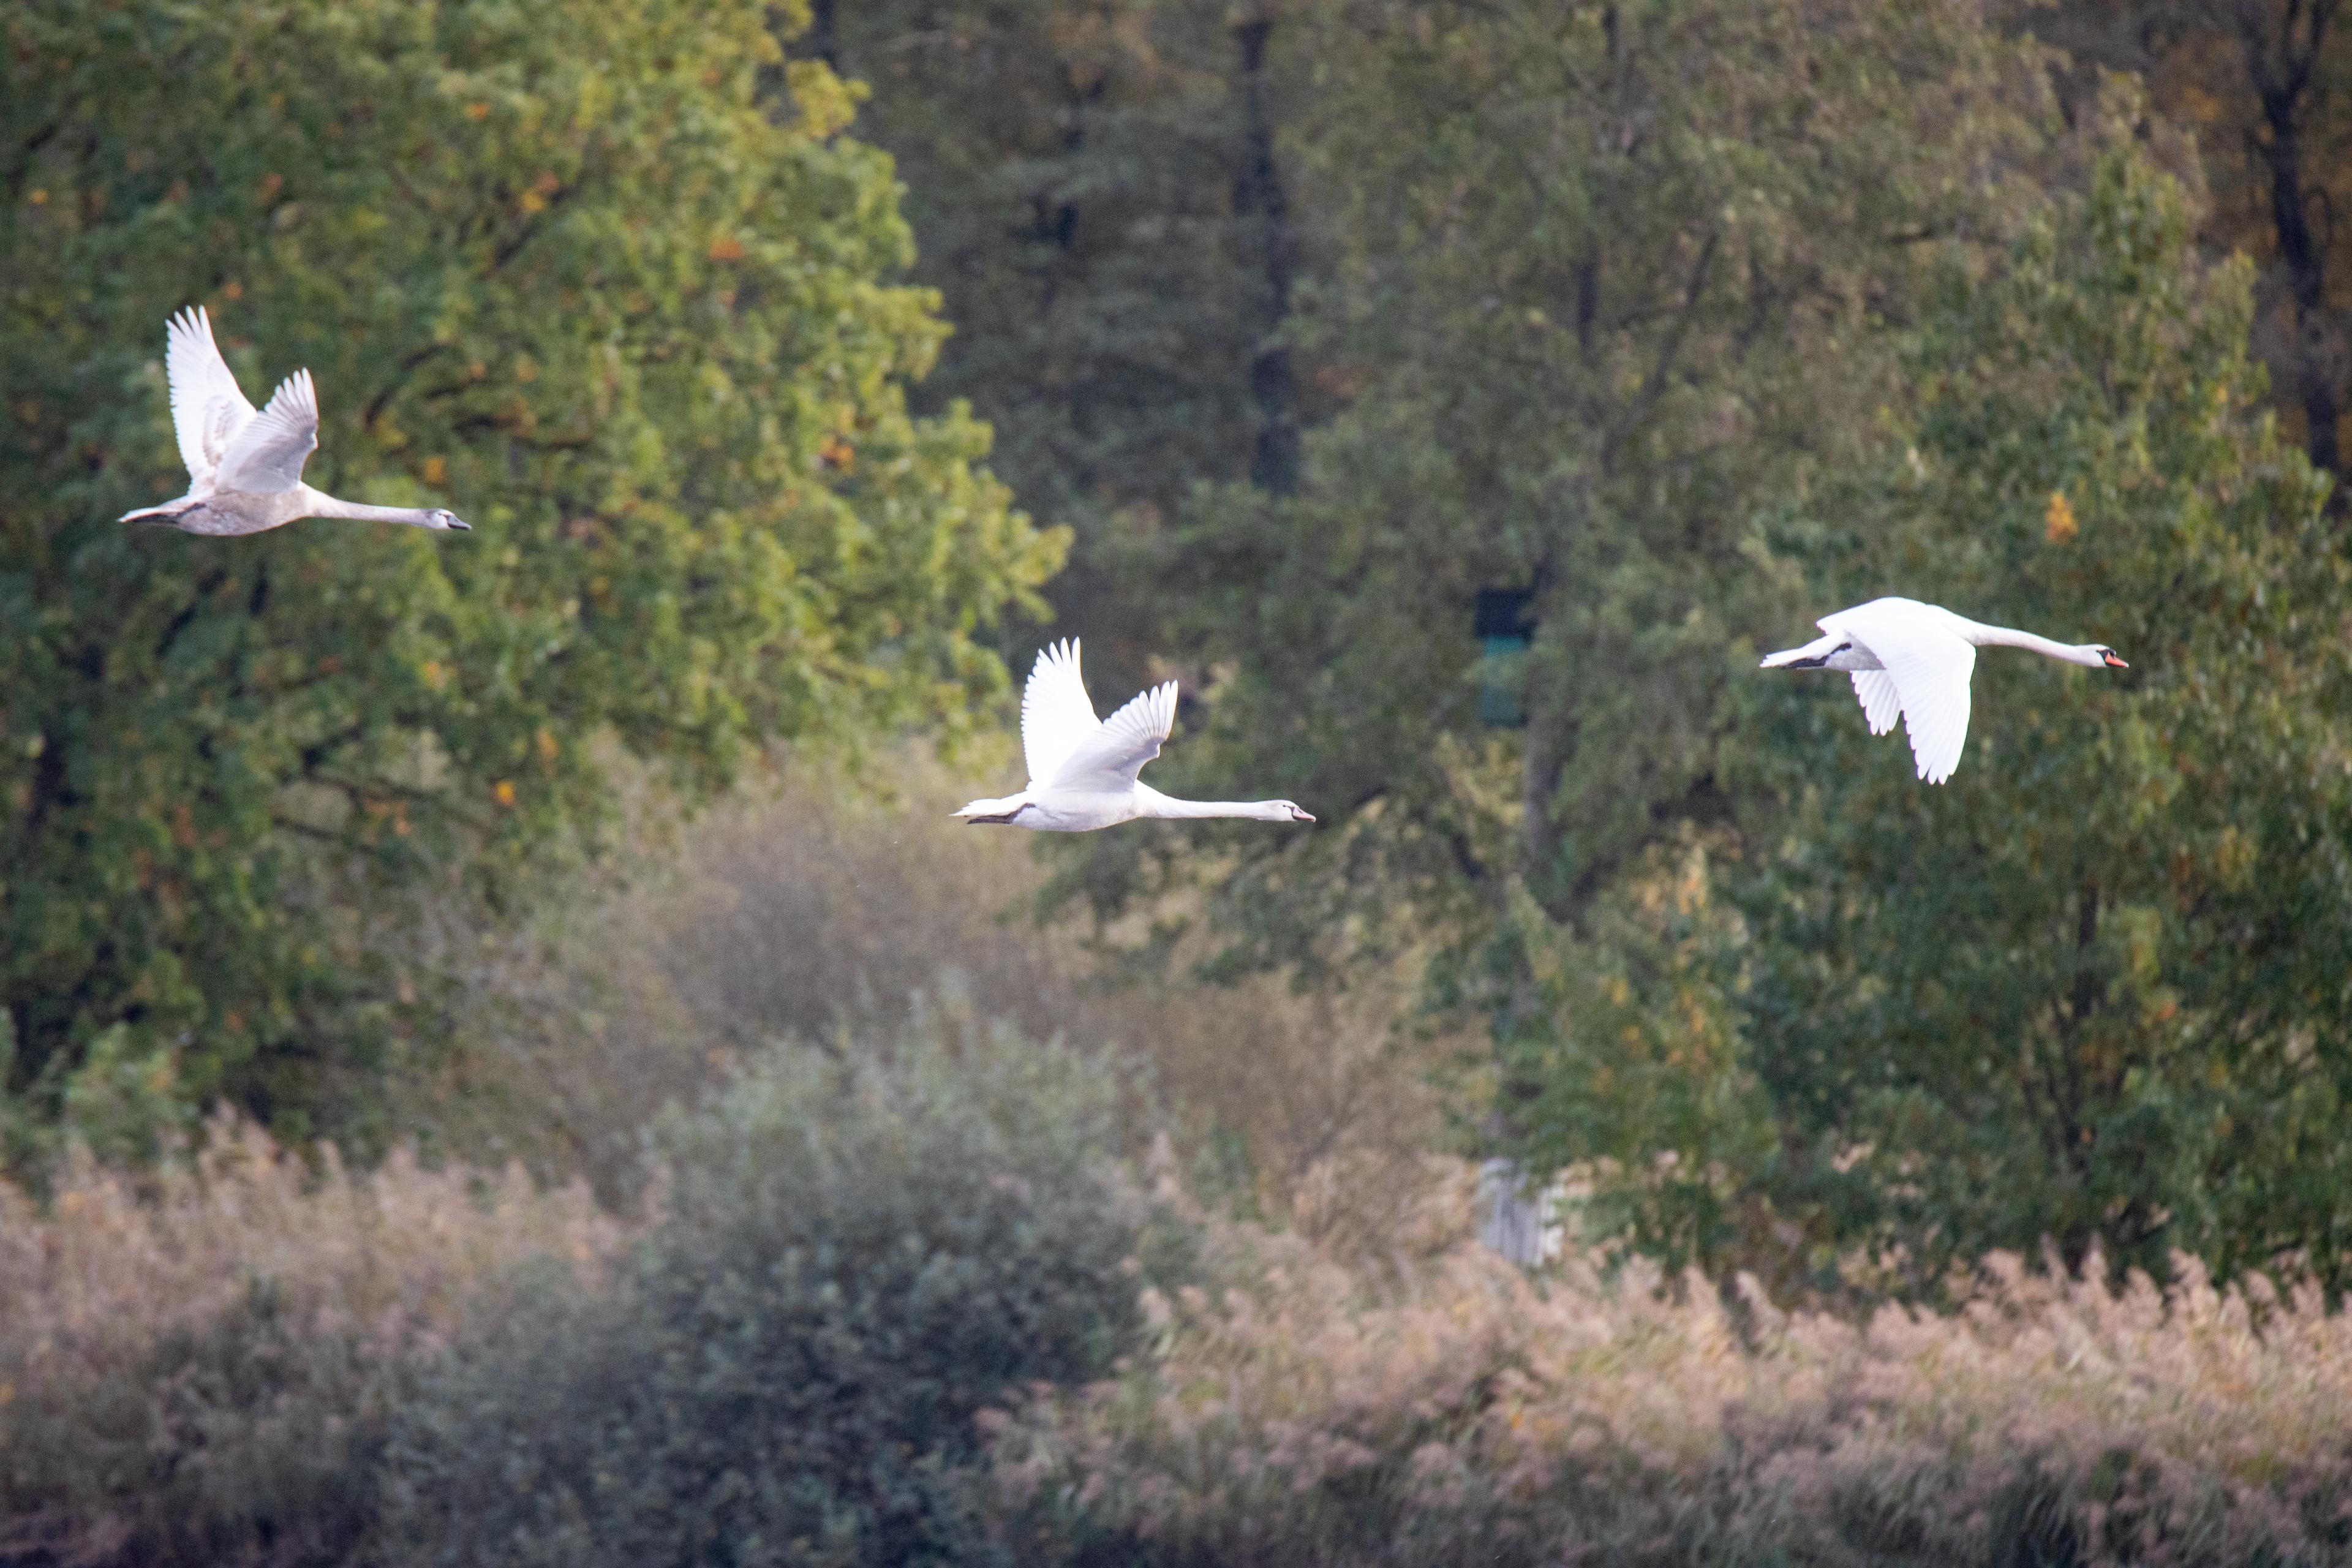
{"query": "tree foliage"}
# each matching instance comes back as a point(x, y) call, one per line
point(1611, 284)
point(614, 283)
point(1103, 207)
point(1692, 322)
point(2261, 85)
point(2095, 988)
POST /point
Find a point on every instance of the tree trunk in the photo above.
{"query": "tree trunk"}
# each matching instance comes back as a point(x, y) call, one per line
point(1262, 210)
point(2281, 79)
point(823, 37)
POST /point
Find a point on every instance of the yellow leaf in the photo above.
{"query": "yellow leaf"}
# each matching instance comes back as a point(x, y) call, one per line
point(2058, 524)
point(503, 792)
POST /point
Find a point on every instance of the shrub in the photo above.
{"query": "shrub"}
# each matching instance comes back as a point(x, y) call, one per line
point(200, 1372)
point(859, 1252)
point(1305, 1415)
point(819, 905)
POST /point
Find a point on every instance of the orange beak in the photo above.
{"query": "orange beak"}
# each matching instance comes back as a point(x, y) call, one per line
point(2115, 663)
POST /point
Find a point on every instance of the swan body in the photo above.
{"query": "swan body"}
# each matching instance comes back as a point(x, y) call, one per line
point(245, 468)
point(1082, 769)
point(1913, 660)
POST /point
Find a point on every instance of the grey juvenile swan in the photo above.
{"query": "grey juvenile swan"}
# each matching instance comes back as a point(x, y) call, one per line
point(244, 468)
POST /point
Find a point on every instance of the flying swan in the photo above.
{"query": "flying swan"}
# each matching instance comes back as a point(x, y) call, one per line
point(1082, 769)
point(244, 470)
point(1914, 659)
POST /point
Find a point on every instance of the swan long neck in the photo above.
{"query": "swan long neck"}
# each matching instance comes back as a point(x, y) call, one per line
point(322, 504)
point(1158, 805)
point(2007, 636)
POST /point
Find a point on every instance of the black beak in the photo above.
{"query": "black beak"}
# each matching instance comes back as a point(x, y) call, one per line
point(2115, 663)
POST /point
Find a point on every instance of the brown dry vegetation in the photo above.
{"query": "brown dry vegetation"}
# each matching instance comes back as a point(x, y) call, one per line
point(815, 903)
point(1297, 1411)
point(195, 1367)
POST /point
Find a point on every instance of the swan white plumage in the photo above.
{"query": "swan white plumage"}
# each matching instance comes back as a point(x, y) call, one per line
point(1082, 769)
point(1914, 660)
point(244, 468)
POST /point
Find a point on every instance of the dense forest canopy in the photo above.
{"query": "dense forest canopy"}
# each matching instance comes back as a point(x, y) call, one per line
point(1681, 324)
point(1671, 324)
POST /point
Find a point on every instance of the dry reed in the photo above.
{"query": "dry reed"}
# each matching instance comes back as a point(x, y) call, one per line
point(1305, 1413)
point(195, 1367)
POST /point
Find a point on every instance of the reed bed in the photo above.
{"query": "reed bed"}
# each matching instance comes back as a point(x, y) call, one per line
point(197, 1362)
point(1456, 1409)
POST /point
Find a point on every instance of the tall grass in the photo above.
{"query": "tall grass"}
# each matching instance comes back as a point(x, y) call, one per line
point(197, 1367)
point(1303, 1413)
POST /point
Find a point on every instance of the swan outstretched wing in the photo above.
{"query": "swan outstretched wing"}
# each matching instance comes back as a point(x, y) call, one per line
point(1880, 703)
point(208, 408)
point(1929, 666)
point(1057, 715)
point(267, 454)
point(1109, 758)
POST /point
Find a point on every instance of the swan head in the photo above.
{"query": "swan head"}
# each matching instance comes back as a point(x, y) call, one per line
point(442, 518)
point(2107, 656)
point(1289, 811)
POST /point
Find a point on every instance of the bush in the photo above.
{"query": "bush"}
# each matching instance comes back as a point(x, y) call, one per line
point(821, 905)
point(859, 1253)
point(201, 1372)
point(1309, 1415)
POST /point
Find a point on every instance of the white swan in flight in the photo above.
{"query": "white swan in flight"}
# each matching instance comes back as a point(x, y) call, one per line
point(1914, 659)
point(1082, 769)
point(244, 468)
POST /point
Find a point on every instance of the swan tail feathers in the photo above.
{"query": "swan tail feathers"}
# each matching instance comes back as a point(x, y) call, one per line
point(1809, 656)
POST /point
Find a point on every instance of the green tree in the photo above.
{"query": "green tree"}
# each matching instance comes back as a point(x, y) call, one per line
point(1611, 285)
point(2095, 989)
point(613, 282)
point(1104, 207)
point(1693, 321)
point(2092, 990)
point(2262, 85)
